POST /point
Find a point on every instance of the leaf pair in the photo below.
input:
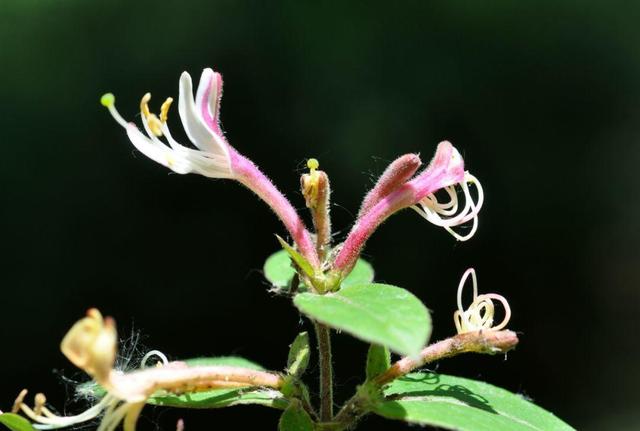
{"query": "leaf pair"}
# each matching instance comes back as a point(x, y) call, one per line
point(377, 313)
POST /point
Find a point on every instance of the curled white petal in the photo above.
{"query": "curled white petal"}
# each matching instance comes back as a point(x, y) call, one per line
point(209, 87)
point(449, 214)
point(480, 314)
point(195, 127)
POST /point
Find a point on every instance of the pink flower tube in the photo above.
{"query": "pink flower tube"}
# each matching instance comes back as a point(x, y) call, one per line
point(445, 171)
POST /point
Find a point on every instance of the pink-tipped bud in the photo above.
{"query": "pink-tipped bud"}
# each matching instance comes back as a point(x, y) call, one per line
point(395, 175)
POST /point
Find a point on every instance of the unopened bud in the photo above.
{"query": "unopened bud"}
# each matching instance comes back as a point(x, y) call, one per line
point(397, 173)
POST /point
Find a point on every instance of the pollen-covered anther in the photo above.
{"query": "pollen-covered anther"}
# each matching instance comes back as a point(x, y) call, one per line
point(311, 183)
point(38, 403)
point(155, 124)
point(480, 314)
point(19, 400)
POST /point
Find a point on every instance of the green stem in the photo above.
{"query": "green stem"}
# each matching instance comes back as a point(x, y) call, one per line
point(326, 371)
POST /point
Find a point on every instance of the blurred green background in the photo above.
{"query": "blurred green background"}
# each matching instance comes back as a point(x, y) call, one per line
point(541, 98)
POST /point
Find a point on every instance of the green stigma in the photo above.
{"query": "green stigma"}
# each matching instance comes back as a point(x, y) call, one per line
point(313, 164)
point(107, 100)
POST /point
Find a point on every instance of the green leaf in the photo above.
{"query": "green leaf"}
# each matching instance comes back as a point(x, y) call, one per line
point(217, 398)
point(461, 404)
point(279, 271)
point(378, 360)
point(15, 422)
point(299, 353)
point(232, 361)
point(377, 313)
point(361, 273)
point(299, 259)
point(295, 418)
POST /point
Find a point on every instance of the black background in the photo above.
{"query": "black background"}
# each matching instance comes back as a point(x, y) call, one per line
point(541, 98)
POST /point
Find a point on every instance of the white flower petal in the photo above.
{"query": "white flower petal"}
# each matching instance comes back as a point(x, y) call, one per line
point(198, 132)
point(210, 87)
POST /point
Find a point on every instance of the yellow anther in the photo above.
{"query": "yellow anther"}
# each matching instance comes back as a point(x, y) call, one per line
point(144, 105)
point(39, 402)
point(313, 164)
point(107, 100)
point(18, 402)
point(155, 125)
point(164, 109)
point(310, 183)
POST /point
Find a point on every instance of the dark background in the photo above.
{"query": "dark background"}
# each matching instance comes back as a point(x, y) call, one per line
point(541, 98)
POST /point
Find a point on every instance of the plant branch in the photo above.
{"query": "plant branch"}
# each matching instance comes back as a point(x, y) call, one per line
point(487, 342)
point(326, 371)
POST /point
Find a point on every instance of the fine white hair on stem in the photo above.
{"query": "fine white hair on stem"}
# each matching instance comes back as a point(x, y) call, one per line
point(150, 354)
point(449, 213)
point(480, 314)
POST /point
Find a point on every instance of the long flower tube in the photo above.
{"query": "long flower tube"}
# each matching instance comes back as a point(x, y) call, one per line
point(445, 171)
point(91, 345)
point(213, 156)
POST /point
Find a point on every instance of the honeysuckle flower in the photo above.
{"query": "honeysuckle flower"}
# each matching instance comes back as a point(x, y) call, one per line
point(444, 172)
point(480, 314)
point(212, 156)
point(91, 345)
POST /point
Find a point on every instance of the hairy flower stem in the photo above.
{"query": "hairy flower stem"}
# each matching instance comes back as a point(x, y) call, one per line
point(488, 342)
point(250, 176)
point(326, 371)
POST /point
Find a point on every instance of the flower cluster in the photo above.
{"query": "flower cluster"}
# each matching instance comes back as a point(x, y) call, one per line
point(91, 345)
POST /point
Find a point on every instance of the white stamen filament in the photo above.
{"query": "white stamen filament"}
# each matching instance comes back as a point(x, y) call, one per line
point(48, 420)
point(448, 214)
point(480, 314)
point(152, 353)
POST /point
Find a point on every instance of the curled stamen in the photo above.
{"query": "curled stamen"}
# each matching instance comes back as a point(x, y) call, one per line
point(152, 353)
point(479, 315)
point(448, 214)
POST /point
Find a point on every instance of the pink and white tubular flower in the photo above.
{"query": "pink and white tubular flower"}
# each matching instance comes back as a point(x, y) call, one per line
point(480, 314)
point(444, 172)
point(451, 213)
point(213, 157)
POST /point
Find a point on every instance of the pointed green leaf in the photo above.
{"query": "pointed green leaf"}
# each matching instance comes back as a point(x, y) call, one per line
point(377, 313)
point(279, 271)
point(457, 403)
point(15, 422)
point(299, 353)
point(378, 360)
point(299, 259)
point(294, 418)
point(218, 398)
